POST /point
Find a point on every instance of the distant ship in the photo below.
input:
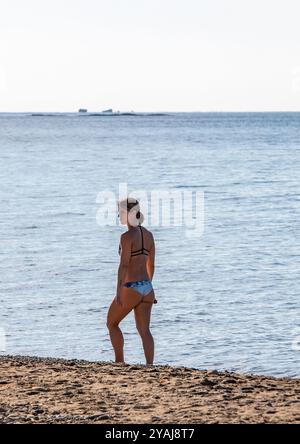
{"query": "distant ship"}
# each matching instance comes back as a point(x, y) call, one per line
point(110, 113)
point(116, 113)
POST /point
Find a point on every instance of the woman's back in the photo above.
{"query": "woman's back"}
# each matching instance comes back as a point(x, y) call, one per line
point(142, 250)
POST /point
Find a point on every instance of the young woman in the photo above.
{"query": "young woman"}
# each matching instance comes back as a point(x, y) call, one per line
point(134, 286)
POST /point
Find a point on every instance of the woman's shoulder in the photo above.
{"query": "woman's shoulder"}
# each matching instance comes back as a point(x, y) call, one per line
point(148, 232)
point(125, 236)
point(132, 233)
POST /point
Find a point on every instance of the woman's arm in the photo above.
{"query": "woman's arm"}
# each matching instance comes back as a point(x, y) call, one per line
point(124, 263)
point(151, 261)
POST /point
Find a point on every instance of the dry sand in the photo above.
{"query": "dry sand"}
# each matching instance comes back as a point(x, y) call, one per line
point(38, 390)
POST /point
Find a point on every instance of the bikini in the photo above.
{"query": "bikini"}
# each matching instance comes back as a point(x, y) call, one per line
point(143, 287)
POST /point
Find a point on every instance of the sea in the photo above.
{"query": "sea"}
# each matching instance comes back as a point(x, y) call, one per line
point(228, 294)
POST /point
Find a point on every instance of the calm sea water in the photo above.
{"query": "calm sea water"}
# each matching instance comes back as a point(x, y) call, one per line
point(226, 300)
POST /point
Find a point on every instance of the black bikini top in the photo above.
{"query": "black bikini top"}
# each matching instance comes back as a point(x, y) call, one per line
point(142, 250)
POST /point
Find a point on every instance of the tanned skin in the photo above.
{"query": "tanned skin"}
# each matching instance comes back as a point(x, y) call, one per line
point(136, 268)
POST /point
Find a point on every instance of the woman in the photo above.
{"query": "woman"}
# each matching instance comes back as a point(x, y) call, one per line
point(134, 286)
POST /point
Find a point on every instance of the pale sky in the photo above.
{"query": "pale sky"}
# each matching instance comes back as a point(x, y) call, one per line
point(150, 55)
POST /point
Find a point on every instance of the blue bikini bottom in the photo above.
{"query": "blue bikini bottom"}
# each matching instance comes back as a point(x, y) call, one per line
point(142, 287)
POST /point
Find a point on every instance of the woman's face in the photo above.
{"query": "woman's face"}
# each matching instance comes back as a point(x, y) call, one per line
point(123, 215)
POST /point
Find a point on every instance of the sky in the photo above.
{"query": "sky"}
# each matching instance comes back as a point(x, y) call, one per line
point(149, 55)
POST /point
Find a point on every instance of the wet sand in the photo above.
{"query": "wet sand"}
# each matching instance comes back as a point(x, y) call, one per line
point(42, 390)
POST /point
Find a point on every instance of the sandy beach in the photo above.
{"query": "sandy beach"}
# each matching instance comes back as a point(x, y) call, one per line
point(42, 390)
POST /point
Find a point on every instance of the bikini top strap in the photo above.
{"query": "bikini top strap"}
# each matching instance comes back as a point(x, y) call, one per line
point(142, 238)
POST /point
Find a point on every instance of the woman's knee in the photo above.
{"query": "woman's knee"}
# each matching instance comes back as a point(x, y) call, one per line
point(144, 331)
point(111, 324)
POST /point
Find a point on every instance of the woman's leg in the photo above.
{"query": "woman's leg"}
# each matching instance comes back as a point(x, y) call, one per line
point(115, 315)
point(142, 313)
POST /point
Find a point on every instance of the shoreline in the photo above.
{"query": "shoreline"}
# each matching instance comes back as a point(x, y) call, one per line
point(52, 390)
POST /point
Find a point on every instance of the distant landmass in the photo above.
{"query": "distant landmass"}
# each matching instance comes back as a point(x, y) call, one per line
point(82, 112)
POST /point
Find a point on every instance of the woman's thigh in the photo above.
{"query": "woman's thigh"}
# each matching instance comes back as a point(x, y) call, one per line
point(142, 313)
point(117, 312)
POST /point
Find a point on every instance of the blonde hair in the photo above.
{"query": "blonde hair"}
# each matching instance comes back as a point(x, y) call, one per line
point(128, 204)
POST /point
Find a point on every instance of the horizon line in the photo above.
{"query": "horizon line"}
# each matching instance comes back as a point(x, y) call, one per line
point(159, 111)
